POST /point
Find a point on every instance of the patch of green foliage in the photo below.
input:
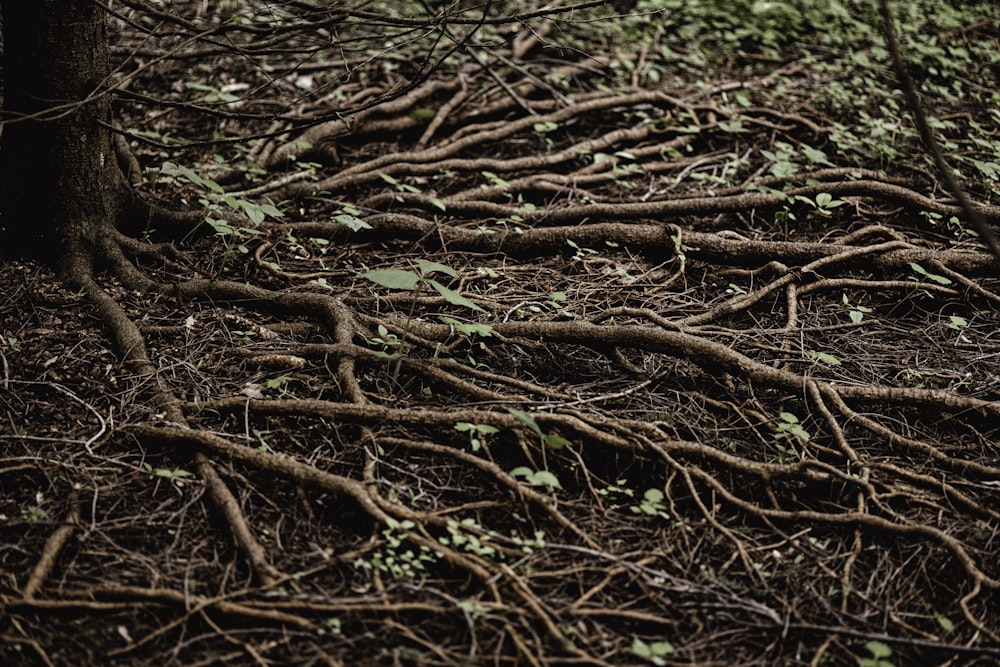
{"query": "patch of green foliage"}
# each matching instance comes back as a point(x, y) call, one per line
point(845, 67)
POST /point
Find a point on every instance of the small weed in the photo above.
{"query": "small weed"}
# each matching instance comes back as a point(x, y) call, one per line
point(653, 652)
point(789, 428)
point(788, 432)
point(401, 279)
point(823, 358)
point(278, 382)
point(550, 440)
point(856, 313)
point(35, 514)
point(927, 275)
point(476, 433)
point(879, 654)
point(176, 477)
point(536, 477)
point(396, 558)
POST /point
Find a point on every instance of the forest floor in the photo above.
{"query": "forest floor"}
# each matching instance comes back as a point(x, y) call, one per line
point(615, 345)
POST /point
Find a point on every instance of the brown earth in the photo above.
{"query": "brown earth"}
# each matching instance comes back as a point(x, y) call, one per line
point(658, 406)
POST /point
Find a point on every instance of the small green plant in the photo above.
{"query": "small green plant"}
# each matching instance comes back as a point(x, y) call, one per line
point(879, 654)
point(824, 203)
point(927, 275)
point(536, 477)
point(387, 341)
point(34, 514)
point(396, 557)
point(786, 434)
point(550, 440)
point(414, 281)
point(946, 623)
point(176, 477)
point(469, 536)
point(823, 358)
point(401, 188)
point(651, 504)
point(959, 324)
point(543, 129)
point(220, 207)
point(790, 429)
point(653, 652)
point(476, 433)
point(578, 252)
point(10, 343)
point(350, 217)
point(278, 382)
point(856, 313)
point(402, 279)
point(494, 181)
point(474, 333)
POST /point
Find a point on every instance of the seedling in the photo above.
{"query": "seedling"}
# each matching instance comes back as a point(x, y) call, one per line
point(176, 477)
point(927, 275)
point(402, 279)
point(476, 433)
point(550, 440)
point(536, 477)
point(856, 313)
point(653, 652)
point(879, 652)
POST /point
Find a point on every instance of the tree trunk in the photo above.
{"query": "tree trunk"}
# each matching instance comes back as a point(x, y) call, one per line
point(60, 185)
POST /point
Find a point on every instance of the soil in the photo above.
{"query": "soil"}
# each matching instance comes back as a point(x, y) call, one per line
point(639, 401)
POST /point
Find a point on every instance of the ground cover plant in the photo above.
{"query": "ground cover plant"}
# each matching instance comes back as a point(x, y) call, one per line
point(614, 333)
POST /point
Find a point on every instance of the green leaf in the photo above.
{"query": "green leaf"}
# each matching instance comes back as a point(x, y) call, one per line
point(453, 297)
point(468, 328)
point(878, 649)
point(815, 156)
point(940, 280)
point(527, 420)
point(946, 624)
point(277, 382)
point(270, 210)
point(547, 478)
point(555, 441)
point(352, 222)
point(653, 496)
point(255, 214)
point(825, 358)
point(662, 648)
point(641, 648)
point(392, 278)
point(428, 267)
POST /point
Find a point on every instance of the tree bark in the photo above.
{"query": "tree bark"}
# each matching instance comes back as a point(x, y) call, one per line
point(60, 185)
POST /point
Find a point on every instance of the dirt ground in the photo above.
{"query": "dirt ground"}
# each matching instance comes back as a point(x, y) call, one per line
point(538, 364)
